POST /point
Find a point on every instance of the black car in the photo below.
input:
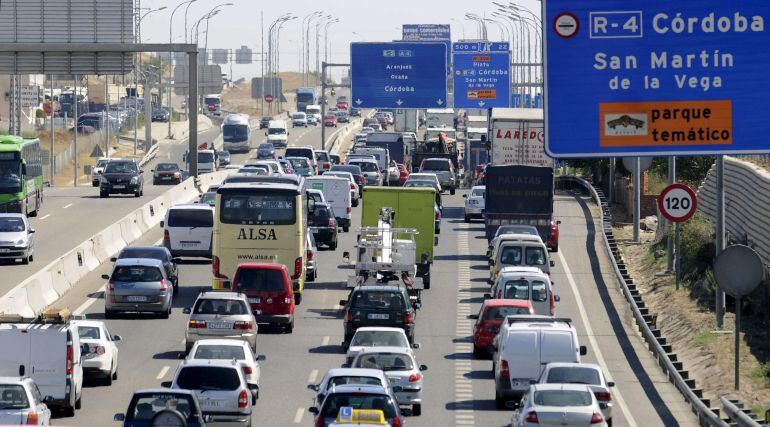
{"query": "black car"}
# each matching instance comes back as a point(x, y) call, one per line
point(323, 225)
point(264, 123)
point(379, 305)
point(224, 157)
point(166, 173)
point(163, 407)
point(355, 112)
point(161, 114)
point(336, 160)
point(266, 150)
point(357, 175)
point(121, 177)
point(160, 253)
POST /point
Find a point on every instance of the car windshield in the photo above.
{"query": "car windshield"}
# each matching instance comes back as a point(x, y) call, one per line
point(299, 152)
point(379, 339)
point(573, 375)
point(371, 299)
point(416, 183)
point(100, 163)
point(499, 313)
point(235, 133)
point(366, 166)
point(206, 157)
point(208, 378)
point(121, 167)
point(220, 306)
point(13, 396)
point(384, 361)
point(166, 167)
point(516, 229)
point(298, 116)
point(353, 169)
point(299, 163)
point(147, 405)
point(516, 289)
point(268, 208)
point(137, 273)
point(511, 255)
point(252, 279)
point(343, 380)
point(193, 218)
point(89, 332)
point(266, 147)
point(333, 403)
point(562, 398)
point(222, 352)
point(208, 198)
point(322, 157)
point(11, 225)
point(435, 165)
point(276, 131)
point(477, 192)
point(535, 256)
point(152, 253)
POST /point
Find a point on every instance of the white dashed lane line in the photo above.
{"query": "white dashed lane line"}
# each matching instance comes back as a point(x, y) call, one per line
point(162, 373)
point(44, 217)
point(463, 348)
point(298, 415)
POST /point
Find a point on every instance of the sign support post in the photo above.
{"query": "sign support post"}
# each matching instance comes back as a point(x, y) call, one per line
point(637, 196)
point(719, 307)
point(52, 155)
point(613, 165)
point(75, 132)
point(669, 239)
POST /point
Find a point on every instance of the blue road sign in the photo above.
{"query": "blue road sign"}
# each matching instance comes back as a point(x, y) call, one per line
point(430, 33)
point(482, 74)
point(656, 77)
point(398, 75)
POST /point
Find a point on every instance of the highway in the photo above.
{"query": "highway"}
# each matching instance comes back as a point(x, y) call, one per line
point(459, 390)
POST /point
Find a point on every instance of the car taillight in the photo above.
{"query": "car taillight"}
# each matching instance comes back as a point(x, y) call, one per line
point(247, 370)
point(597, 418)
point(32, 418)
point(69, 358)
point(415, 377)
point(438, 215)
point(196, 324)
point(409, 318)
point(531, 417)
point(331, 223)
point(96, 349)
point(243, 399)
point(350, 209)
point(297, 268)
point(504, 372)
point(310, 255)
point(603, 396)
point(243, 326)
point(397, 422)
point(287, 300)
point(163, 285)
point(166, 239)
point(352, 186)
point(361, 179)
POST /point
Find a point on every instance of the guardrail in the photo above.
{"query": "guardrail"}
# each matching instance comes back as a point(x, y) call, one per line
point(655, 341)
point(738, 414)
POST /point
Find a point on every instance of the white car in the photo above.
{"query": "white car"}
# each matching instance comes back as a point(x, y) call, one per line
point(377, 336)
point(225, 349)
point(558, 404)
point(16, 238)
point(424, 176)
point(101, 359)
point(345, 376)
point(274, 165)
point(402, 371)
point(21, 403)
point(299, 119)
point(187, 230)
point(474, 203)
point(582, 373)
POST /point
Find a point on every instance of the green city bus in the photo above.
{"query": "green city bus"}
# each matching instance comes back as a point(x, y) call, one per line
point(21, 175)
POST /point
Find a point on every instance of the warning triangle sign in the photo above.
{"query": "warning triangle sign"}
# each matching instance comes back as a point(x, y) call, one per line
point(97, 151)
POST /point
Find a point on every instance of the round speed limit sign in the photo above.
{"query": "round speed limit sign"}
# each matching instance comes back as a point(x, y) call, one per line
point(677, 203)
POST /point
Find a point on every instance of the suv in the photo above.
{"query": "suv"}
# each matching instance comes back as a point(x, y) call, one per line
point(323, 160)
point(378, 305)
point(121, 177)
point(323, 224)
point(445, 171)
point(359, 397)
point(220, 315)
point(268, 290)
point(370, 169)
point(221, 388)
point(173, 407)
point(231, 350)
point(96, 171)
point(138, 284)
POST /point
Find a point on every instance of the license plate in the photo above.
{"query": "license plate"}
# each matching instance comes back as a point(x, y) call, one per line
point(215, 403)
point(166, 178)
point(136, 298)
point(255, 300)
point(118, 187)
point(218, 325)
point(379, 316)
point(188, 244)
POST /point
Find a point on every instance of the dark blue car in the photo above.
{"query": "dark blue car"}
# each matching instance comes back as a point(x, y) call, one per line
point(266, 151)
point(162, 407)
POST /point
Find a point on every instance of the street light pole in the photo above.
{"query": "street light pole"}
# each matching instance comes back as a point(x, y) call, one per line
point(304, 45)
point(317, 38)
point(137, 64)
point(326, 38)
point(171, 70)
point(278, 58)
point(307, 44)
point(187, 9)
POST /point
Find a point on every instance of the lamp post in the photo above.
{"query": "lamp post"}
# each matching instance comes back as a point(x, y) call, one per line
point(137, 64)
point(171, 40)
point(270, 52)
point(326, 37)
point(304, 44)
point(481, 25)
point(318, 16)
point(501, 27)
point(187, 9)
point(318, 24)
point(278, 54)
point(462, 25)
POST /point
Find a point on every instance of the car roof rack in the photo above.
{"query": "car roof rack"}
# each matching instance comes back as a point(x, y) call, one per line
point(48, 316)
point(537, 319)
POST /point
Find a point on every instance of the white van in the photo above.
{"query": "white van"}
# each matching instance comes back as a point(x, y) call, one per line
point(299, 119)
point(50, 354)
point(519, 250)
point(524, 345)
point(207, 161)
point(277, 134)
point(526, 283)
point(187, 230)
point(336, 191)
point(314, 110)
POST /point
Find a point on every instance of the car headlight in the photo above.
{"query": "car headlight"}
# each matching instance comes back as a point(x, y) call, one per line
point(20, 242)
point(134, 180)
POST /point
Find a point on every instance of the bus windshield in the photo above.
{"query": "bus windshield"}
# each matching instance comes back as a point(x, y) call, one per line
point(10, 176)
point(235, 133)
point(263, 208)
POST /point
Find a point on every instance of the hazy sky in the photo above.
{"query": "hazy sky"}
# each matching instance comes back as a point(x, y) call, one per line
point(360, 20)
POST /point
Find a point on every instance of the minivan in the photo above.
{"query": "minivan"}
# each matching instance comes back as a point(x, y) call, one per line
point(268, 289)
point(299, 119)
point(526, 283)
point(519, 250)
point(207, 161)
point(277, 134)
point(187, 230)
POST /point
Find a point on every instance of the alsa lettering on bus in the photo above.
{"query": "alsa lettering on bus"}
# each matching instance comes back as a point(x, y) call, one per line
point(257, 234)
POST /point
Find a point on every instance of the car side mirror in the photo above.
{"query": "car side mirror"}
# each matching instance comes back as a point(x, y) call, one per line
point(117, 338)
point(186, 310)
point(31, 231)
point(265, 133)
point(558, 222)
point(465, 196)
point(152, 170)
point(106, 276)
point(162, 224)
point(50, 399)
point(261, 358)
point(117, 417)
point(313, 387)
point(473, 316)
point(416, 345)
point(253, 387)
point(313, 410)
point(208, 418)
point(23, 168)
point(487, 296)
point(603, 405)
point(553, 263)
point(141, 171)
point(166, 384)
point(583, 350)
point(176, 260)
point(423, 367)
point(113, 259)
point(343, 302)
point(610, 384)
point(556, 298)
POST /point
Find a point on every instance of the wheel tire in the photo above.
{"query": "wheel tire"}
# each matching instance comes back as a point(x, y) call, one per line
point(108, 379)
point(346, 228)
point(108, 314)
point(609, 422)
point(290, 327)
point(68, 411)
point(31, 258)
point(452, 191)
point(298, 298)
point(355, 204)
point(499, 401)
point(25, 260)
point(477, 352)
point(102, 194)
point(426, 281)
point(79, 403)
point(311, 277)
point(333, 245)
point(555, 248)
point(416, 409)
point(137, 193)
point(166, 314)
point(115, 375)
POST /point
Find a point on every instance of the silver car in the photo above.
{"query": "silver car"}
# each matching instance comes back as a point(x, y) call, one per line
point(220, 315)
point(402, 370)
point(140, 285)
point(221, 389)
point(370, 169)
point(311, 270)
point(589, 374)
point(22, 403)
point(16, 238)
point(231, 350)
point(558, 404)
point(347, 376)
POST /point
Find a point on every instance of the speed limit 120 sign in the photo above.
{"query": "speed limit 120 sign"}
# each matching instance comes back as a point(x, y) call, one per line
point(677, 203)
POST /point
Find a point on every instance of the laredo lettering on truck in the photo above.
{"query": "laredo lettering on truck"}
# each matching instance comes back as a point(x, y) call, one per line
point(260, 222)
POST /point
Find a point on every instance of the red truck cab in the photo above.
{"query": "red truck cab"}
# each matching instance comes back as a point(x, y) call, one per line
point(268, 289)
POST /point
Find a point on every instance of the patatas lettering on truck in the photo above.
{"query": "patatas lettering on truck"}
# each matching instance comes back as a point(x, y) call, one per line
point(260, 222)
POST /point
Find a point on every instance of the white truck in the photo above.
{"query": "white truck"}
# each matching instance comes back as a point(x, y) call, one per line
point(440, 118)
point(336, 192)
point(516, 135)
point(406, 120)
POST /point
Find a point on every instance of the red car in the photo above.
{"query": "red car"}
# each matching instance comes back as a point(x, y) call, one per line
point(383, 121)
point(268, 288)
point(553, 241)
point(403, 174)
point(342, 105)
point(489, 319)
point(330, 120)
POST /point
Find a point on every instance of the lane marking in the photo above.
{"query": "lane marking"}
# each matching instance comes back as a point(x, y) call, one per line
point(89, 302)
point(592, 340)
point(463, 386)
point(298, 415)
point(313, 376)
point(67, 206)
point(162, 373)
point(325, 341)
point(44, 217)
